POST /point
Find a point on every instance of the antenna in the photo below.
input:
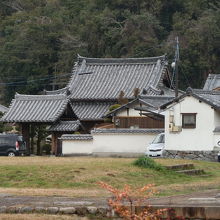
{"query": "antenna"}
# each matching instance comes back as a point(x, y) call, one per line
point(176, 67)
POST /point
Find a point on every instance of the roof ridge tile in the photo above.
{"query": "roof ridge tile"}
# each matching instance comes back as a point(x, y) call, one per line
point(121, 60)
point(40, 97)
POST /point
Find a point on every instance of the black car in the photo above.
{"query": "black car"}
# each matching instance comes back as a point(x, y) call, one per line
point(12, 145)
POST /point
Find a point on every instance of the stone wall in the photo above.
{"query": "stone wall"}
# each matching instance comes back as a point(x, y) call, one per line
point(192, 155)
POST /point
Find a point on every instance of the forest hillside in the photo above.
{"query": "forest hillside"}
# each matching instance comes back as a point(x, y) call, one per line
point(40, 39)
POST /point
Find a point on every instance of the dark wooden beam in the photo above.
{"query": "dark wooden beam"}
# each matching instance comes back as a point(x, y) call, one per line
point(25, 129)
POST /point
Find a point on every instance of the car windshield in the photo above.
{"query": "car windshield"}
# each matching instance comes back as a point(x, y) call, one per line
point(158, 139)
point(20, 138)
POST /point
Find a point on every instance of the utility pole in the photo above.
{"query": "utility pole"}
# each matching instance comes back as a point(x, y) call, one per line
point(176, 67)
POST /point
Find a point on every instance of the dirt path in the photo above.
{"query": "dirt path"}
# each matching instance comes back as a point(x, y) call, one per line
point(210, 198)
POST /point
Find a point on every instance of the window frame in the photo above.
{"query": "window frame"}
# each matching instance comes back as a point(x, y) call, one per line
point(188, 126)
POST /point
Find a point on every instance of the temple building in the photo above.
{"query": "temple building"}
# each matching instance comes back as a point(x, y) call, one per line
point(95, 85)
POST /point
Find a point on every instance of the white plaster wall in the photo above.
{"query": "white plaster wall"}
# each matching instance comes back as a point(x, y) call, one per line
point(77, 147)
point(119, 143)
point(196, 139)
point(109, 143)
point(132, 112)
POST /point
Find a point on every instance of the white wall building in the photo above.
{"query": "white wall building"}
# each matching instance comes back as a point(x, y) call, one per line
point(192, 122)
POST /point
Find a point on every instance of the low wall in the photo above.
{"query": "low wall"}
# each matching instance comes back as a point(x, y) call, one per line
point(109, 142)
point(77, 145)
point(192, 155)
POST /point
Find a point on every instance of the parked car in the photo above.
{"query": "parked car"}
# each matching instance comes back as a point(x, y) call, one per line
point(156, 148)
point(12, 145)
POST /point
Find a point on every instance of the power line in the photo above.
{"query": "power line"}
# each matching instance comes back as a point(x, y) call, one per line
point(22, 77)
point(35, 80)
point(41, 84)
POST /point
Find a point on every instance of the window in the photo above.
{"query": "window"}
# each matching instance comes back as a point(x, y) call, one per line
point(188, 120)
point(158, 139)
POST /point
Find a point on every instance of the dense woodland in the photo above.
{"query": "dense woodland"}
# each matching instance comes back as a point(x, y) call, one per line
point(40, 39)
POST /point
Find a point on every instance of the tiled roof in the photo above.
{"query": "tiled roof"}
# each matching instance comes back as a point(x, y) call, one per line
point(126, 131)
point(65, 126)
point(209, 97)
point(212, 82)
point(94, 86)
point(151, 102)
point(91, 110)
point(59, 91)
point(3, 108)
point(125, 106)
point(217, 129)
point(155, 101)
point(80, 137)
point(36, 108)
point(105, 78)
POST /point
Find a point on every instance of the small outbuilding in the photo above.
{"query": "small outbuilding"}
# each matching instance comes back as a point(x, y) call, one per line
point(142, 112)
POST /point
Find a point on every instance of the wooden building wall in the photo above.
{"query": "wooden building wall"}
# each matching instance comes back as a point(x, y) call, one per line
point(141, 122)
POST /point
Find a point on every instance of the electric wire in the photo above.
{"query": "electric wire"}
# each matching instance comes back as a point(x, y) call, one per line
point(34, 80)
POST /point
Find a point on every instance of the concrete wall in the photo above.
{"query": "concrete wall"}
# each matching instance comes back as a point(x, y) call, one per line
point(109, 144)
point(122, 143)
point(200, 138)
point(77, 147)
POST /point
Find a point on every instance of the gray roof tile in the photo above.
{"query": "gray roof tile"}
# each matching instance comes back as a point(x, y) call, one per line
point(152, 102)
point(212, 82)
point(126, 131)
point(155, 101)
point(210, 97)
point(3, 108)
point(122, 107)
point(91, 110)
point(59, 91)
point(36, 108)
point(92, 79)
point(100, 78)
point(80, 137)
point(65, 126)
point(217, 129)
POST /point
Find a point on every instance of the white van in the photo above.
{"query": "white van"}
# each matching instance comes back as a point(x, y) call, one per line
point(155, 149)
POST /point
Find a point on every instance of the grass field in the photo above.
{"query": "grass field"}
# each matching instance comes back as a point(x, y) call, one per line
point(77, 176)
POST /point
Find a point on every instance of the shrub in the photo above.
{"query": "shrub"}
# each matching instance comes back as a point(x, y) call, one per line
point(108, 120)
point(113, 107)
point(124, 201)
point(147, 162)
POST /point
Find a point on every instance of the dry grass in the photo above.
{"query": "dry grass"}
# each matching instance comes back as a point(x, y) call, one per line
point(39, 217)
point(55, 192)
point(76, 161)
point(77, 176)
